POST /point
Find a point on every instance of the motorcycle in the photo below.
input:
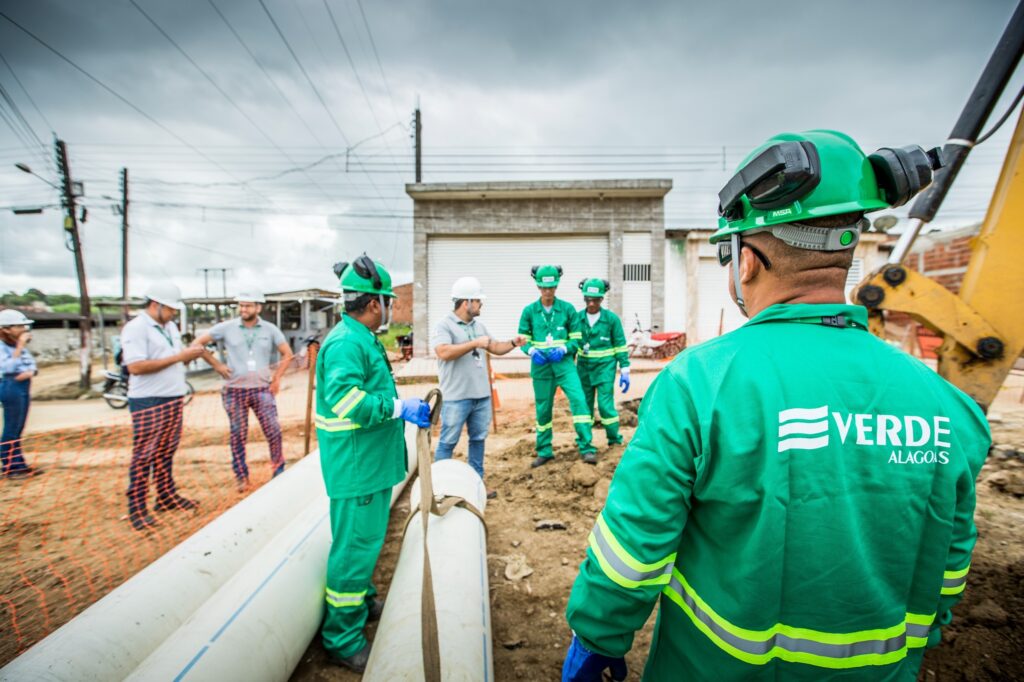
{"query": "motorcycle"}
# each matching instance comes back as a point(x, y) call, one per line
point(115, 389)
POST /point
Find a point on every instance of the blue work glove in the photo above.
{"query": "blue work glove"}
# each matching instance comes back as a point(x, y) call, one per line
point(556, 354)
point(538, 356)
point(417, 412)
point(624, 379)
point(586, 666)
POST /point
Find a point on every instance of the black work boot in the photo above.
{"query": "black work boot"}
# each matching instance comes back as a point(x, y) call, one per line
point(541, 461)
point(141, 520)
point(356, 662)
point(174, 503)
point(590, 458)
point(374, 608)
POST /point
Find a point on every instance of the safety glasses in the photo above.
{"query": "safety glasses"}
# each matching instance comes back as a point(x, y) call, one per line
point(725, 253)
point(778, 176)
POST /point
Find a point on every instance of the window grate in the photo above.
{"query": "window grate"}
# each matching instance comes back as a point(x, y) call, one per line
point(636, 272)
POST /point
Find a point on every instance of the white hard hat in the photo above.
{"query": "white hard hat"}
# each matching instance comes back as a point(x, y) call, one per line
point(13, 318)
point(250, 296)
point(165, 293)
point(467, 288)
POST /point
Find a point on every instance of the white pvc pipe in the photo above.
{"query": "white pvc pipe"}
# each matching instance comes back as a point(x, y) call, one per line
point(115, 635)
point(458, 551)
point(258, 625)
point(110, 638)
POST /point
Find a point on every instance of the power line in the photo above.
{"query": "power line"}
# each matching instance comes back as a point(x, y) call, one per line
point(118, 95)
point(376, 56)
point(219, 89)
point(27, 95)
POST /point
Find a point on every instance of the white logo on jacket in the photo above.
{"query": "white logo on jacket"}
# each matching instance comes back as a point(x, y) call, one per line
point(808, 428)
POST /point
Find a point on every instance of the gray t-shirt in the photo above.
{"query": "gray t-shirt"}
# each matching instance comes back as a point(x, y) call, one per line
point(466, 376)
point(250, 351)
point(143, 339)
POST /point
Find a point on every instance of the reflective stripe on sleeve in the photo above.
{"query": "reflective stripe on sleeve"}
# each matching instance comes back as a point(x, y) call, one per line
point(549, 344)
point(620, 566)
point(348, 401)
point(882, 646)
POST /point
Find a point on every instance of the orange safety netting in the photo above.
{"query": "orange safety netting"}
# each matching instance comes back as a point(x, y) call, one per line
point(66, 537)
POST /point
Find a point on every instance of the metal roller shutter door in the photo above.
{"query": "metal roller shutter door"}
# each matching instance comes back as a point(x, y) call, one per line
point(713, 290)
point(636, 285)
point(502, 264)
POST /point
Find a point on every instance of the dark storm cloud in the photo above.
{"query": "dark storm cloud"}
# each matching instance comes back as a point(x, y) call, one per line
point(521, 74)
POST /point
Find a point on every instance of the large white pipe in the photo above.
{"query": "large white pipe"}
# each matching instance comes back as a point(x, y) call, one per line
point(258, 625)
point(458, 551)
point(115, 635)
point(110, 638)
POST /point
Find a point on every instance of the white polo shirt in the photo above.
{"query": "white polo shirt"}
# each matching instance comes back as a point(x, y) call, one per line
point(144, 339)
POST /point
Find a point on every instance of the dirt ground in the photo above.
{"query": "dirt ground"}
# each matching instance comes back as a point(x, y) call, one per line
point(529, 630)
point(67, 529)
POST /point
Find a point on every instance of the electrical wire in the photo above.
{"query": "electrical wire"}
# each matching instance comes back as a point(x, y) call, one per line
point(1002, 119)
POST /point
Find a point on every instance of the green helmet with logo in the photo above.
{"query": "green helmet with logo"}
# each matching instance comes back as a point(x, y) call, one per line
point(365, 276)
point(546, 276)
point(594, 287)
point(794, 177)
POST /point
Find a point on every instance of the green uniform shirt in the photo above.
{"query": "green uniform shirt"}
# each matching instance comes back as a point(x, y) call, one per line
point(362, 447)
point(602, 346)
point(545, 330)
point(801, 498)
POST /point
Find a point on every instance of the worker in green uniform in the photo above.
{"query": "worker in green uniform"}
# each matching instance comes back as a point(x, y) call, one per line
point(602, 348)
point(547, 324)
point(361, 433)
point(799, 494)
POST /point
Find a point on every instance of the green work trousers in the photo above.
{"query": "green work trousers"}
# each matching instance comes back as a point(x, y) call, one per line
point(358, 527)
point(544, 384)
point(597, 383)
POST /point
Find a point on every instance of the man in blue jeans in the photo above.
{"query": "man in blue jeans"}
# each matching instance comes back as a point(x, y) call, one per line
point(460, 341)
point(17, 367)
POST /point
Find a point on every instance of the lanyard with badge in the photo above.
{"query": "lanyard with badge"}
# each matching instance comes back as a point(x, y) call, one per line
point(549, 319)
point(250, 341)
point(164, 333)
point(471, 333)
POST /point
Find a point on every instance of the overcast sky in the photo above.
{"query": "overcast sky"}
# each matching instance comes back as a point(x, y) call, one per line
point(235, 137)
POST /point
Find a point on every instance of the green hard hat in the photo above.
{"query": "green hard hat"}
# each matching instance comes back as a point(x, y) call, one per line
point(843, 182)
point(547, 275)
point(359, 275)
point(594, 287)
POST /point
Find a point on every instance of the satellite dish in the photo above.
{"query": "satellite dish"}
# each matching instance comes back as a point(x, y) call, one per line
point(885, 223)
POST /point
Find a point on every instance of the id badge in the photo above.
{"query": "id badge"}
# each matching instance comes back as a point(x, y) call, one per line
point(251, 364)
point(479, 361)
point(550, 338)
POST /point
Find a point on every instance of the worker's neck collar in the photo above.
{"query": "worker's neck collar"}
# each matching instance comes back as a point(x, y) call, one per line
point(802, 311)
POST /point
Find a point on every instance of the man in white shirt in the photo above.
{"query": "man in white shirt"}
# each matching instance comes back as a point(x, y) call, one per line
point(156, 362)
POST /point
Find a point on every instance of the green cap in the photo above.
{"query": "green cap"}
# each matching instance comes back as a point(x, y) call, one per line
point(594, 288)
point(357, 277)
point(547, 275)
point(848, 185)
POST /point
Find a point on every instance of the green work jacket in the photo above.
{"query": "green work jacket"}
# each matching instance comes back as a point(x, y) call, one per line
point(602, 346)
point(544, 330)
point(362, 446)
point(800, 495)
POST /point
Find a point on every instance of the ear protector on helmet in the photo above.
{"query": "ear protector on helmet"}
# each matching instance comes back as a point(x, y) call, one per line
point(607, 284)
point(776, 177)
point(535, 268)
point(339, 268)
point(788, 171)
point(902, 172)
point(367, 269)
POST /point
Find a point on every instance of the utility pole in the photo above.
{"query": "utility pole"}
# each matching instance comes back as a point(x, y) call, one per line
point(418, 132)
point(124, 243)
point(206, 281)
point(71, 225)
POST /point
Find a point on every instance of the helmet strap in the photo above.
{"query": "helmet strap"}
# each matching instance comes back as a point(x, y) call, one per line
point(735, 239)
point(385, 315)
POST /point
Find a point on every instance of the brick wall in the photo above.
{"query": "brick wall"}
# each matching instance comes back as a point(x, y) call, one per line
point(944, 261)
point(402, 311)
